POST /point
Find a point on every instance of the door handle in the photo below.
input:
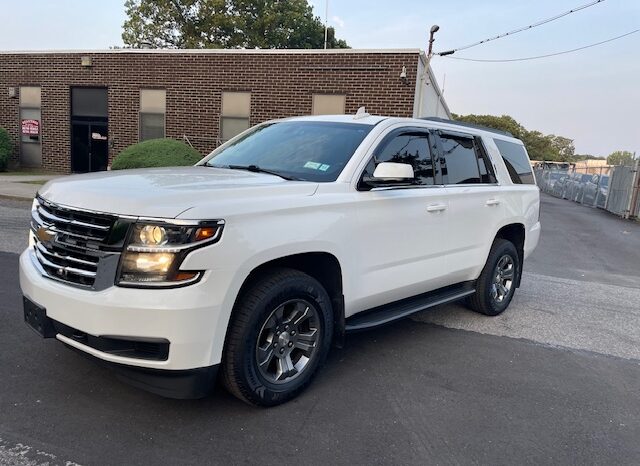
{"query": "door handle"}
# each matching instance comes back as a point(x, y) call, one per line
point(436, 207)
point(491, 202)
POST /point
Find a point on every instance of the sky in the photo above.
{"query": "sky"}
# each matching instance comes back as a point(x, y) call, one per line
point(591, 96)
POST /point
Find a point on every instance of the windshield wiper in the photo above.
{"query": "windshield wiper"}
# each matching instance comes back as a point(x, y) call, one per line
point(257, 169)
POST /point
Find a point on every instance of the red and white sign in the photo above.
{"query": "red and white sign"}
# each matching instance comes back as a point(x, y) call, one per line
point(30, 127)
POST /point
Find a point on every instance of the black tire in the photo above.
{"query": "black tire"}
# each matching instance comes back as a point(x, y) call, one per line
point(255, 309)
point(485, 300)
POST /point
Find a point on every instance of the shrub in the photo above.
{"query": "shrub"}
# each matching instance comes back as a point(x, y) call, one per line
point(5, 149)
point(156, 153)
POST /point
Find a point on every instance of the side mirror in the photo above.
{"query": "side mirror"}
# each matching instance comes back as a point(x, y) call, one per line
point(391, 172)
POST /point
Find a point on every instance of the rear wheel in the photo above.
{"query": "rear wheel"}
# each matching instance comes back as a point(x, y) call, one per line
point(497, 282)
point(279, 335)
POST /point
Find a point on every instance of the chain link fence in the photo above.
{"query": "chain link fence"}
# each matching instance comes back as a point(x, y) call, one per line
point(613, 188)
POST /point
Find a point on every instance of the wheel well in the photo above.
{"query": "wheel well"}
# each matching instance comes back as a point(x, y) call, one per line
point(514, 233)
point(322, 266)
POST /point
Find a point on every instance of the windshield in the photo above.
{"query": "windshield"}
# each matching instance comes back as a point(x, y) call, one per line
point(305, 150)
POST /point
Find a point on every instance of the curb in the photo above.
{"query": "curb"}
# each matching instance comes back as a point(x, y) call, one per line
point(15, 198)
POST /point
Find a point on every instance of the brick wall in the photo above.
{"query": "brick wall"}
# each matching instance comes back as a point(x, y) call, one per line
point(281, 85)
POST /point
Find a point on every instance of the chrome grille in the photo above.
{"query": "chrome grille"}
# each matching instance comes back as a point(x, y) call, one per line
point(69, 243)
point(78, 226)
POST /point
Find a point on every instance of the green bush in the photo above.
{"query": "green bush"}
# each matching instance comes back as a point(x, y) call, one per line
point(5, 149)
point(156, 153)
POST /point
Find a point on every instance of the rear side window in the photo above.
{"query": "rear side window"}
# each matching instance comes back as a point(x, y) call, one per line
point(517, 162)
point(459, 160)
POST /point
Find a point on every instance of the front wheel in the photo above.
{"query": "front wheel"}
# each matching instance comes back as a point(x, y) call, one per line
point(280, 333)
point(497, 282)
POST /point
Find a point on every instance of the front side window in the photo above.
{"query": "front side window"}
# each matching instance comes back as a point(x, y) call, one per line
point(411, 148)
point(459, 160)
point(305, 150)
point(517, 162)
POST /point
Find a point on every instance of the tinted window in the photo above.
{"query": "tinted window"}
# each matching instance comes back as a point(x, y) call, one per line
point(517, 162)
point(89, 102)
point(411, 148)
point(313, 151)
point(459, 161)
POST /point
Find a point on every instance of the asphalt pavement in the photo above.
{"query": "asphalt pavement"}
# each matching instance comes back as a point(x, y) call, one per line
point(554, 380)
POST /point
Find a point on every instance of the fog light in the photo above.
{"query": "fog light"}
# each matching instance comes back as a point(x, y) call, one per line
point(153, 262)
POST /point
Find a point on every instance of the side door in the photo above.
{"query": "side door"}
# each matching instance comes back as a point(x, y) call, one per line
point(476, 203)
point(401, 228)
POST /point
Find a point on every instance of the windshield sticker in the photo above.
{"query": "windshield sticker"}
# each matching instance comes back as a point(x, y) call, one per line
point(324, 167)
point(312, 165)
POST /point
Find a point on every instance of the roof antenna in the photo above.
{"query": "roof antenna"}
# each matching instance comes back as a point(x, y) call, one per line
point(361, 113)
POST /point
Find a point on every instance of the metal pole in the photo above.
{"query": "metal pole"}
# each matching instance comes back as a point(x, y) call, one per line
point(326, 22)
point(425, 73)
point(635, 187)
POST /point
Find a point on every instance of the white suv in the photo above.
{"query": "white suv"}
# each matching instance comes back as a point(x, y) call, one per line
point(274, 246)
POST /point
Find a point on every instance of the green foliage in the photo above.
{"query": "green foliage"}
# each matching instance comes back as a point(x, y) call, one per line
point(5, 149)
point(201, 24)
point(539, 146)
point(587, 157)
point(156, 153)
point(621, 157)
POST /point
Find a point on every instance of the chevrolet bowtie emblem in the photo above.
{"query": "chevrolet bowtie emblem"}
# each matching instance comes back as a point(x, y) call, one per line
point(45, 235)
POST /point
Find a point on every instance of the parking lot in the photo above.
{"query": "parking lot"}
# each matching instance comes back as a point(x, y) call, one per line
point(554, 380)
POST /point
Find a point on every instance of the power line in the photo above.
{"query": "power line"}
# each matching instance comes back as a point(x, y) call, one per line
point(547, 55)
point(525, 28)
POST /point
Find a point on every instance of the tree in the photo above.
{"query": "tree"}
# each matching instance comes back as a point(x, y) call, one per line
point(621, 157)
point(203, 24)
point(564, 146)
point(503, 123)
point(539, 146)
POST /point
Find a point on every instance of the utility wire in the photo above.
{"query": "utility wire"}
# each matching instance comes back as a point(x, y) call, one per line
point(525, 28)
point(547, 55)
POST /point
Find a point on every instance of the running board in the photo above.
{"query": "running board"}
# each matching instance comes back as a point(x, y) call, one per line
point(400, 309)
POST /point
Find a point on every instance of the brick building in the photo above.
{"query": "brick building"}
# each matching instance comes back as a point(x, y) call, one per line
point(74, 111)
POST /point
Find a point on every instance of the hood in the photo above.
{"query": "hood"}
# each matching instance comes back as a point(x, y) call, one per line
point(167, 192)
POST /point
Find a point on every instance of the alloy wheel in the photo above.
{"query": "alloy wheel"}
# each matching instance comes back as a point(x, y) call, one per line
point(504, 274)
point(288, 341)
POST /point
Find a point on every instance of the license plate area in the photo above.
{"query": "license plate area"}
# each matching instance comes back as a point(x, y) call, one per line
point(36, 317)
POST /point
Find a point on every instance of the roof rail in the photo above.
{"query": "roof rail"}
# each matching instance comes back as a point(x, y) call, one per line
point(468, 125)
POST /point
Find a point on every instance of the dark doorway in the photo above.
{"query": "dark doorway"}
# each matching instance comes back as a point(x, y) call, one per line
point(89, 129)
point(89, 147)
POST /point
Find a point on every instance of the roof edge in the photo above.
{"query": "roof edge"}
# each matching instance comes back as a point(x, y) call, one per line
point(212, 51)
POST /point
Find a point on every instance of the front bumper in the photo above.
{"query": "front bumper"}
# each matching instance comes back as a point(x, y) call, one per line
point(184, 317)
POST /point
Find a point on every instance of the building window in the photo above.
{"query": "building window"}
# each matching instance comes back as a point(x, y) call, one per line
point(236, 111)
point(30, 114)
point(153, 106)
point(30, 126)
point(328, 104)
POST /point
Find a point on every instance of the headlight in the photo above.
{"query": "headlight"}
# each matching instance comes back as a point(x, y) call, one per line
point(154, 252)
